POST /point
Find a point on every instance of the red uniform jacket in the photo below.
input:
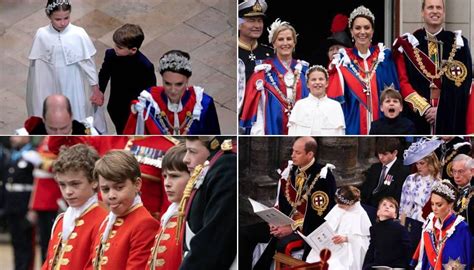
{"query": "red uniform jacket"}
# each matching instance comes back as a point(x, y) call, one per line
point(74, 253)
point(167, 250)
point(129, 243)
point(46, 191)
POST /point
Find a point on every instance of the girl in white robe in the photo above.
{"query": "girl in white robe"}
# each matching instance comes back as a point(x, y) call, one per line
point(61, 62)
point(317, 114)
point(351, 225)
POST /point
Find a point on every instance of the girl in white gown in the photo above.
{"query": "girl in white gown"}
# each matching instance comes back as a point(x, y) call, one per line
point(61, 62)
point(351, 224)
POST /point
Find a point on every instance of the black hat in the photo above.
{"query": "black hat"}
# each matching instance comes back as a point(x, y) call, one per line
point(252, 8)
point(338, 29)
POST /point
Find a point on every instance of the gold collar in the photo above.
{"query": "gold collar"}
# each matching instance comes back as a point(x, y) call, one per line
point(247, 47)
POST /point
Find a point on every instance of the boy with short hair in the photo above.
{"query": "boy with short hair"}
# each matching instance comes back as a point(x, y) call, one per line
point(129, 71)
point(393, 123)
point(167, 250)
point(126, 235)
point(384, 235)
point(73, 232)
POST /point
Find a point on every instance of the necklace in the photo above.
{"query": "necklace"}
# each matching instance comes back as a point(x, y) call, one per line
point(298, 198)
point(165, 122)
point(290, 100)
point(444, 67)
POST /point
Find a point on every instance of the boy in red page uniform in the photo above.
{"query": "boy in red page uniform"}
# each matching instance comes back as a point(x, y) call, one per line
point(126, 236)
point(167, 250)
point(73, 232)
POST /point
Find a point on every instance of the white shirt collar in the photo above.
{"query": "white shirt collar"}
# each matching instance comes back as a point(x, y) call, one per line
point(389, 165)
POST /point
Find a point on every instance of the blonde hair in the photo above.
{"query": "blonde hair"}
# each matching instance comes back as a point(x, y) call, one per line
point(281, 28)
point(433, 165)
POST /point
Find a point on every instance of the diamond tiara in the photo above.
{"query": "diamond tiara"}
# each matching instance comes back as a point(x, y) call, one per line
point(342, 199)
point(361, 11)
point(174, 62)
point(56, 3)
point(318, 68)
point(440, 187)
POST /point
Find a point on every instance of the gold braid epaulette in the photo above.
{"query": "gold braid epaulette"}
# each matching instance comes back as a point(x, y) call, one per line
point(184, 200)
point(418, 102)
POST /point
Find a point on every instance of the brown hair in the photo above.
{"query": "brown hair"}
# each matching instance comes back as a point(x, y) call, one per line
point(391, 200)
point(347, 195)
point(129, 36)
point(118, 166)
point(77, 158)
point(390, 92)
point(173, 159)
point(433, 165)
point(387, 144)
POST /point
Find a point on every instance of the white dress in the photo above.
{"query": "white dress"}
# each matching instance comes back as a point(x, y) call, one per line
point(61, 63)
point(355, 224)
point(316, 116)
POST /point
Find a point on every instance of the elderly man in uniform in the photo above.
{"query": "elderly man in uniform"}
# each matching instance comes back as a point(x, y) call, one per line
point(462, 173)
point(251, 14)
point(306, 195)
point(435, 71)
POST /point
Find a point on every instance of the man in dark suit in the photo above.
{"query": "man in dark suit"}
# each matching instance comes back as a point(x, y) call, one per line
point(462, 173)
point(385, 178)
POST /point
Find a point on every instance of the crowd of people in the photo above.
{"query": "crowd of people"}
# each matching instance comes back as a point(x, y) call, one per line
point(431, 71)
point(402, 216)
point(121, 202)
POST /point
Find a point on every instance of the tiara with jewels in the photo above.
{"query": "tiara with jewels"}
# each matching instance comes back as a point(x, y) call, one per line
point(342, 199)
point(56, 3)
point(175, 62)
point(360, 11)
point(440, 187)
point(275, 25)
point(319, 68)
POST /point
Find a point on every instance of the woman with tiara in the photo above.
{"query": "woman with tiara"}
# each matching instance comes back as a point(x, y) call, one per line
point(446, 240)
point(275, 86)
point(359, 74)
point(174, 108)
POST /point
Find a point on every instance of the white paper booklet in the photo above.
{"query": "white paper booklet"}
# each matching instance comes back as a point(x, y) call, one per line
point(270, 214)
point(321, 238)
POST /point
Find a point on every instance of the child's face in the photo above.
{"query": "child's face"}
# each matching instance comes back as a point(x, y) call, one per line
point(124, 51)
point(387, 157)
point(317, 83)
point(75, 187)
point(196, 154)
point(386, 210)
point(60, 19)
point(119, 196)
point(391, 107)
point(175, 182)
point(174, 84)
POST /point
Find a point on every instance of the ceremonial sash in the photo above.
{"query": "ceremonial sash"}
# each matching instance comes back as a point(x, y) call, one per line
point(426, 60)
point(435, 259)
point(357, 88)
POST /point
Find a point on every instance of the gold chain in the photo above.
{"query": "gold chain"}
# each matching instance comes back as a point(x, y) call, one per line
point(441, 72)
point(299, 201)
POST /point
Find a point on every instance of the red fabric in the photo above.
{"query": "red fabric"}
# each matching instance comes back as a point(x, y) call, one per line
point(46, 191)
point(293, 245)
point(173, 254)
point(470, 113)
point(81, 244)
point(130, 247)
point(32, 122)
